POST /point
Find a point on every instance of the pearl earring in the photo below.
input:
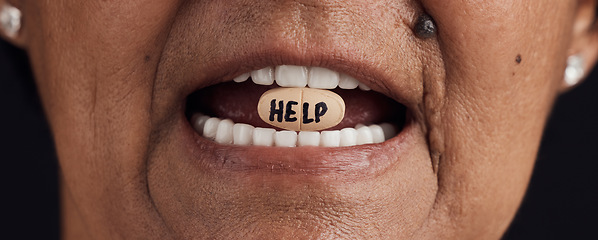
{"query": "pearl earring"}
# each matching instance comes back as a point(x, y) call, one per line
point(10, 20)
point(574, 71)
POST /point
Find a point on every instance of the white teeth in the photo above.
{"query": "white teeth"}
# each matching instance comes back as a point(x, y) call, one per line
point(291, 76)
point(263, 136)
point(301, 76)
point(364, 87)
point(210, 128)
point(308, 138)
point(330, 138)
point(224, 134)
point(348, 137)
point(389, 130)
point(242, 134)
point(199, 120)
point(323, 78)
point(227, 132)
point(377, 133)
point(364, 136)
point(347, 82)
point(285, 139)
point(264, 76)
point(242, 77)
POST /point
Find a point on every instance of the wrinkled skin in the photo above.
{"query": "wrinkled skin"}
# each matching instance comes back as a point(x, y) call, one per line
point(113, 77)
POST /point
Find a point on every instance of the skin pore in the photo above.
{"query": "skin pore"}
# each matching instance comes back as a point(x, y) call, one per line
point(113, 77)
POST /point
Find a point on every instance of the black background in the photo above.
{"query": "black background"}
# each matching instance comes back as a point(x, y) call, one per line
point(561, 202)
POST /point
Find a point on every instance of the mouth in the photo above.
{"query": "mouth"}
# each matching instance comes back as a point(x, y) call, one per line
point(227, 113)
point(215, 111)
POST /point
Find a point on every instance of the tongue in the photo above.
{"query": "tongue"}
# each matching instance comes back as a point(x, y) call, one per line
point(238, 102)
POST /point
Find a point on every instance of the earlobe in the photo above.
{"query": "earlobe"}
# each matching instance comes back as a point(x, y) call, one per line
point(583, 51)
point(10, 23)
point(575, 71)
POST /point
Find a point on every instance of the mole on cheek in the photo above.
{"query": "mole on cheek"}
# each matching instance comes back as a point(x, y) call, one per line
point(424, 27)
point(301, 109)
point(518, 59)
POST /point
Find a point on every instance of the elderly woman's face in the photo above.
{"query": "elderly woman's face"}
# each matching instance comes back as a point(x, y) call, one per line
point(116, 77)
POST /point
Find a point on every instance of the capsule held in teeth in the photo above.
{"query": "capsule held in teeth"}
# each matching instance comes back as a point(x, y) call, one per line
point(301, 109)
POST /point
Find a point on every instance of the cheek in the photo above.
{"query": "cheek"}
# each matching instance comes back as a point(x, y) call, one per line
point(503, 67)
point(95, 64)
point(94, 68)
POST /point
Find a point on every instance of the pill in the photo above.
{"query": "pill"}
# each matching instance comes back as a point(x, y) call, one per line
point(301, 109)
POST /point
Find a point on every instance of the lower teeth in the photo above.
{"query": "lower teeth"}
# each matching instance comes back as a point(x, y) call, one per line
point(228, 132)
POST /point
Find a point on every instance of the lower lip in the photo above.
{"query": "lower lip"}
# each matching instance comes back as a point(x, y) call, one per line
point(356, 161)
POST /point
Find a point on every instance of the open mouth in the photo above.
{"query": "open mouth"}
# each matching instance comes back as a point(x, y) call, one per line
point(227, 112)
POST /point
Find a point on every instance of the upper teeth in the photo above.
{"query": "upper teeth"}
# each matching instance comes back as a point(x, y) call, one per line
point(301, 76)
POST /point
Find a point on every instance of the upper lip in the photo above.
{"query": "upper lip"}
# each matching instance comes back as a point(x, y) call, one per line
point(375, 75)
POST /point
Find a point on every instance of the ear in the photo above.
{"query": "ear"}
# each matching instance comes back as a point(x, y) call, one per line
point(585, 36)
point(19, 38)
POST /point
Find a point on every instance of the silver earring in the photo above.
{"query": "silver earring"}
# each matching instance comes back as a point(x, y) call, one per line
point(575, 70)
point(10, 20)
